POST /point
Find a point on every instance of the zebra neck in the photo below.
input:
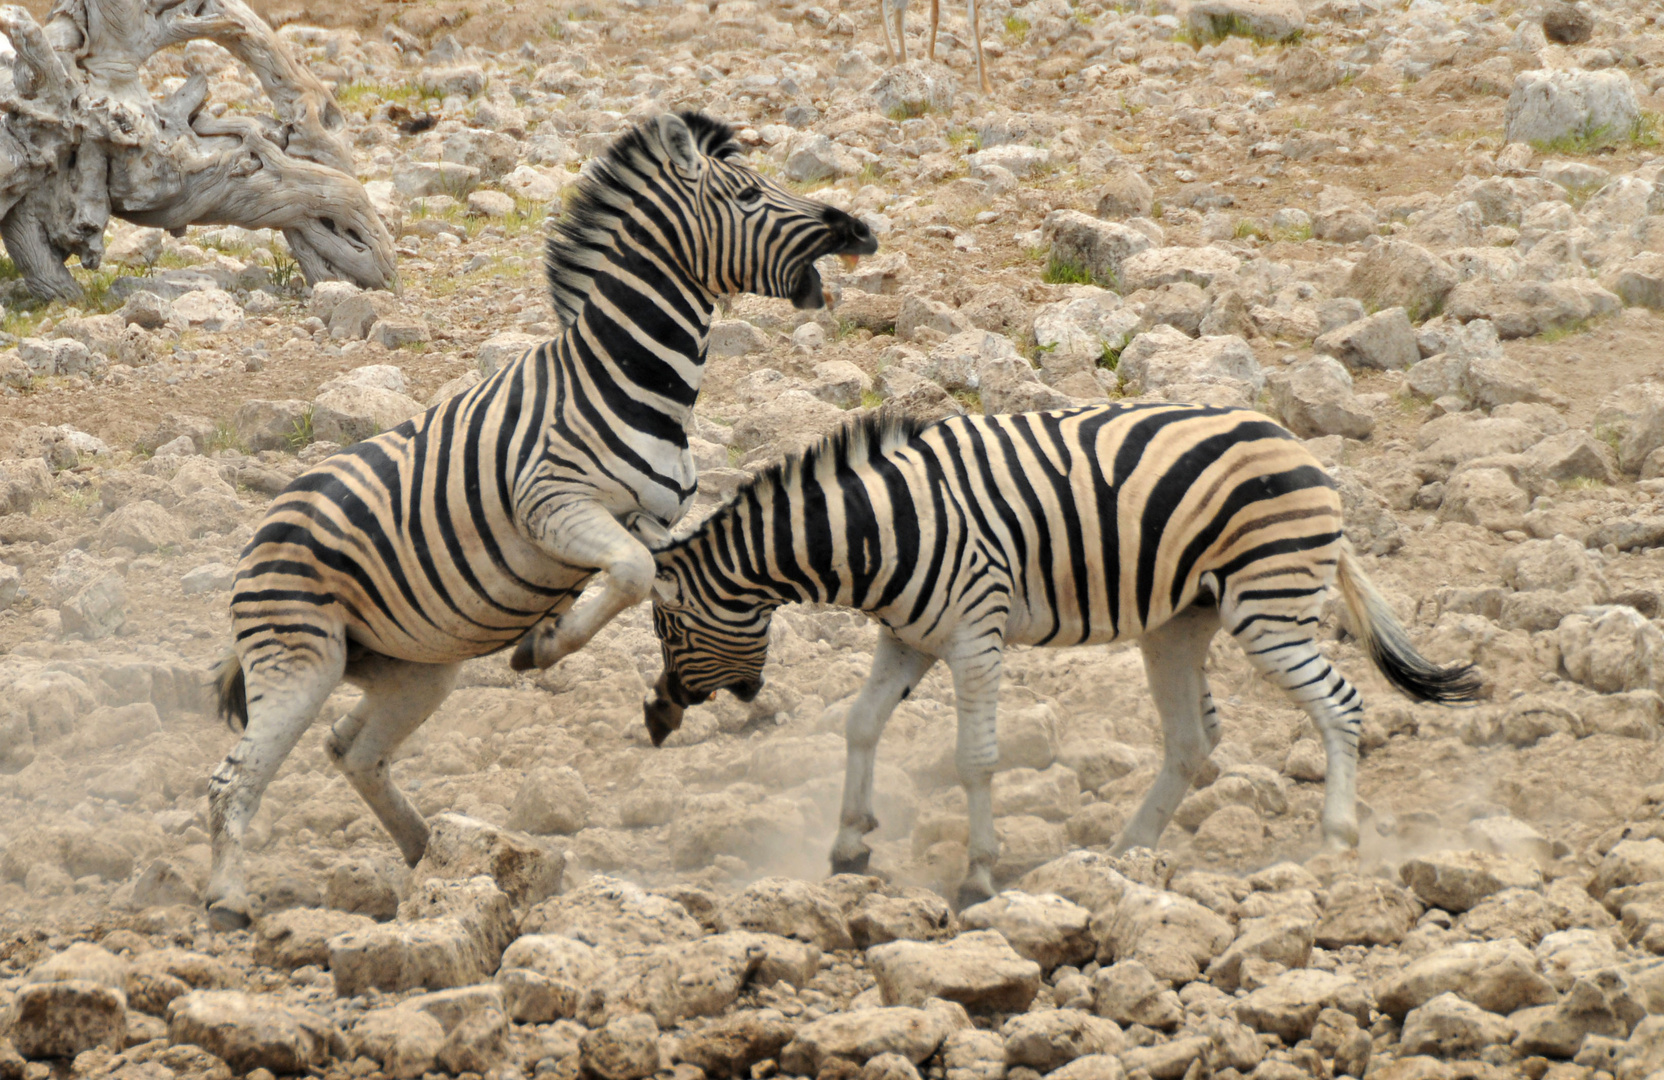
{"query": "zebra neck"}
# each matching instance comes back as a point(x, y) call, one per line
point(739, 558)
point(640, 338)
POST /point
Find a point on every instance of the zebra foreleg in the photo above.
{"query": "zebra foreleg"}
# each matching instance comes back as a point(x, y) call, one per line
point(586, 535)
point(398, 697)
point(978, 666)
point(283, 699)
point(896, 669)
point(1174, 653)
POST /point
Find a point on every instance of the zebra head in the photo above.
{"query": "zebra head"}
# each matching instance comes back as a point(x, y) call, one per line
point(757, 236)
point(708, 645)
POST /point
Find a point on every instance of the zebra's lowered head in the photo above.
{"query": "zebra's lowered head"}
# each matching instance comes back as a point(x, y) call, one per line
point(731, 229)
point(706, 647)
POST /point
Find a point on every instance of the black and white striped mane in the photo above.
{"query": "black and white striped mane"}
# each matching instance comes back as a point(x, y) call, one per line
point(865, 438)
point(606, 187)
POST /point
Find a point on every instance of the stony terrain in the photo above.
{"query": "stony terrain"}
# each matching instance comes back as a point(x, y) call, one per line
point(1428, 236)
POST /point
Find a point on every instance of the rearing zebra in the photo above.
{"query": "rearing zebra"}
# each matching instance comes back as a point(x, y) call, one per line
point(1079, 526)
point(451, 535)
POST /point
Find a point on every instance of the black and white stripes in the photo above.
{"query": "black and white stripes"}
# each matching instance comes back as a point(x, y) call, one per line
point(461, 529)
point(1156, 522)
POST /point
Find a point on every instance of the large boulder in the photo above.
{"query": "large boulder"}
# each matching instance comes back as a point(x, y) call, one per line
point(525, 869)
point(1165, 360)
point(1314, 398)
point(789, 908)
point(1459, 880)
point(1262, 20)
point(1396, 273)
point(1047, 929)
point(1498, 976)
point(249, 1032)
point(978, 969)
point(1171, 935)
point(1091, 246)
point(861, 1034)
point(1555, 106)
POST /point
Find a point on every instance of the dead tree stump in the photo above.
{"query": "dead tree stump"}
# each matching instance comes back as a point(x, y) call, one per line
point(82, 139)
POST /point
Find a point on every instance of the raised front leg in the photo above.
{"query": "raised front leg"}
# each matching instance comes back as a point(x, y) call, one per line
point(585, 534)
point(1173, 657)
point(978, 666)
point(896, 669)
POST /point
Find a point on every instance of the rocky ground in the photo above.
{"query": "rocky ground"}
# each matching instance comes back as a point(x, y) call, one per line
point(1427, 236)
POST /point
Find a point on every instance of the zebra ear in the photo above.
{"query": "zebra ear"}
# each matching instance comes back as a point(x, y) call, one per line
point(678, 143)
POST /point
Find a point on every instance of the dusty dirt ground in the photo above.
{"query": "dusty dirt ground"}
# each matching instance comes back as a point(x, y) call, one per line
point(1511, 517)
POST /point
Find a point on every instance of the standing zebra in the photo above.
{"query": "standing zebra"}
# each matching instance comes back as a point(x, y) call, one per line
point(448, 537)
point(1079, 526)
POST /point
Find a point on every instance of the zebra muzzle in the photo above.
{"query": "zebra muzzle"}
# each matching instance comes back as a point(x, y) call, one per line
point(661, 712)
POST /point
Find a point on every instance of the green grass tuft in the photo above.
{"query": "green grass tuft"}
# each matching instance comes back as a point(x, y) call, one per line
point(1064, 272)
point(301, 434)
point(1643, 133)
point(1566, 330)
point(871, 400)
point(1110, 358)
point(1246, 228)
point(1016, 29)
point(971, 400)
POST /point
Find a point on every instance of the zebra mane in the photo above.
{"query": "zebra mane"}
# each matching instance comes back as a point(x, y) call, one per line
point(605, 189)
point(862, 439)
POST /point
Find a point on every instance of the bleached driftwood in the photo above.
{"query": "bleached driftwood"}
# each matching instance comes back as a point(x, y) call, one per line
point(81, 139)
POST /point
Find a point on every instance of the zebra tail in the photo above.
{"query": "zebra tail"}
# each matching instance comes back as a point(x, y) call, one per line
point(1389, 645)
point(232, 690)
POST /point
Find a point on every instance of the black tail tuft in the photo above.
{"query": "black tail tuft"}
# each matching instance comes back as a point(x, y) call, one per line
point(232, 689)
point(1380, 632)
point(1420, 678)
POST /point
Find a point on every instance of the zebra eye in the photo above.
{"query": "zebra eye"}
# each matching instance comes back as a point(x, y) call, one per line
point(750, 194)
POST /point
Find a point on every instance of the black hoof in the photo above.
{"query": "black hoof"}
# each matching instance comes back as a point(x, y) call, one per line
point(525, 653)
point(969, 896)
point(857, 865)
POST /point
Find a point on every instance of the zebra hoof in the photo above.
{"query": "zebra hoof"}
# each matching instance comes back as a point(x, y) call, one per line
point(970, 896)
point(224, 917)
point(856, 865)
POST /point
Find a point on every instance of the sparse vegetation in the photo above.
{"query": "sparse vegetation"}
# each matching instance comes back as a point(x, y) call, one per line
point(225, 437)
point(1063, 272)
point(1565, 330)
point(1247, 228)
point(285, 270)
point(301, 434)
point(1016, 29)
point(1644, 134)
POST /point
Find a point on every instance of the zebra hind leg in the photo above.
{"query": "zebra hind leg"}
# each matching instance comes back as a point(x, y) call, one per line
point(398, 697)
point(1277, 636)
point(1174, 653)
point(896, 669)
point(285, 693)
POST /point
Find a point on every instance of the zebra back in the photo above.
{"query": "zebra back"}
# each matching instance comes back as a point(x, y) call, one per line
point(1088, 524)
